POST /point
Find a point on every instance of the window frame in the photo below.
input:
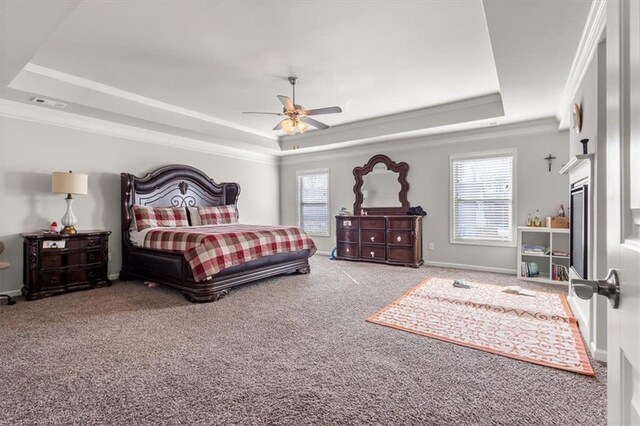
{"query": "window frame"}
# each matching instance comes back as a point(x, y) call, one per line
point(514, 197)
point(299, 201)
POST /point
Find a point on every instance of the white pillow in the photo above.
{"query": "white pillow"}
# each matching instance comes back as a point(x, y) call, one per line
point(194, 216)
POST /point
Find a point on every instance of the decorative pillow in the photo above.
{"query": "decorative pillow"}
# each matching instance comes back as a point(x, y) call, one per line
point(194, 216)
point(152, 217)
point(219, 215)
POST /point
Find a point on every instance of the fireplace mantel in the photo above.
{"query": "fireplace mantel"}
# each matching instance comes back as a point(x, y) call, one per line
point(576, 162)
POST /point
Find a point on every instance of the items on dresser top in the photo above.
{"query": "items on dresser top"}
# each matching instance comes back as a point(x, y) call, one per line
point(57, 263)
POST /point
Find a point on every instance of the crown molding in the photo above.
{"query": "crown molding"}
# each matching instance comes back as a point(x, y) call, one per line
point(541, 126)
point(462, 111)
point(591, 36)
point(130, 96)
point(39, 114)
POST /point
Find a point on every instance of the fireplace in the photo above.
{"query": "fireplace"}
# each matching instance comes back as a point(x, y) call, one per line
point(579, 229)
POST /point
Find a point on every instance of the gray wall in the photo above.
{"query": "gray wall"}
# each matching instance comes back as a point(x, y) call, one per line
point(30, 151)
point(428, 159)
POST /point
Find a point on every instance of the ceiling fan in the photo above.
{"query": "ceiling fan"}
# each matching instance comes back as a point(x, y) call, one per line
point(298, 118)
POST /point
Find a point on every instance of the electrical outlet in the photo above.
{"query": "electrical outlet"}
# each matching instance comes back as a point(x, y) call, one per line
point(432, 246)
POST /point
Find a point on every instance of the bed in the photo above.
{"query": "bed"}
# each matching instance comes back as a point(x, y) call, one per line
point(185, 186)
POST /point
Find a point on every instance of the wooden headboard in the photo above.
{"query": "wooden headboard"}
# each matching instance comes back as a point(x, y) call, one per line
point(175, 185)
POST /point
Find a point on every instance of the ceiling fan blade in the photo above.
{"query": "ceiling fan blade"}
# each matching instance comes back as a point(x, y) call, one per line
point(279, 125)
point(314, 123)
point(268, 113)
point(286, 101)
point(327, 110)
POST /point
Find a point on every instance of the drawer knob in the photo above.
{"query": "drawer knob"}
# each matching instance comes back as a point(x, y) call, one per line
point(92, 257)
point(373, 254)
point(91, 243)
point(346, 223)
point(373, 239)
point(399, 238)
point(54, 280)
point(91, 274)
point(347, 249)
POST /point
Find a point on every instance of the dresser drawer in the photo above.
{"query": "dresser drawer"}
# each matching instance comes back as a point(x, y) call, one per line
point(373, 252)
point(70, 277)
point(372, 222)
point(400, 222)
point(403, 238)
point(400, 254)
point(371, 236)
point(348, 222)
point(348, 250)
point(77, 243)
point(348, 235)
point(59, 260)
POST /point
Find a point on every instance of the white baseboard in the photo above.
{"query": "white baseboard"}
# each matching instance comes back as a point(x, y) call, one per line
point(12, 293)
point(583, 324)
point(471, 267)
point(597, 353)
point(114, 276)
point(323, 253)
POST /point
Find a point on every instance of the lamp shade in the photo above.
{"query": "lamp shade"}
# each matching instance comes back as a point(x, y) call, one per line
point(69, 183)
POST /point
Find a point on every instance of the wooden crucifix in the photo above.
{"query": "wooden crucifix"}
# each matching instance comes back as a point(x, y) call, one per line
point(550, 158)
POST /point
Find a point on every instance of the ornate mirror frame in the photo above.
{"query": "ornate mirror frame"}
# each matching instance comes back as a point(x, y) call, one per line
point(401, 168)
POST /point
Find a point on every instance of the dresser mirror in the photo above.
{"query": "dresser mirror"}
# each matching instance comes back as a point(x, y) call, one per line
point(381, 187)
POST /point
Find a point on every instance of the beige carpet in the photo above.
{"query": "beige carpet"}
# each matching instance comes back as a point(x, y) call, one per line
point(289, 350)
point(537, 328)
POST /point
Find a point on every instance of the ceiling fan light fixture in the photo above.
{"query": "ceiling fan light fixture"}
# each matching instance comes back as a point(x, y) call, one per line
point(301, 127)
point(289, 126)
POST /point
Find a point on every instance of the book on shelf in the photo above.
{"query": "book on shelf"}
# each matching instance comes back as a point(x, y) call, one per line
point(529, 269)
point(559, 253)
point(559, 272)
point(534, 249)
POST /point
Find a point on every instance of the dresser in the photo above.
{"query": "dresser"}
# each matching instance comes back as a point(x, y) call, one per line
point(57, 263)
point(392, 239)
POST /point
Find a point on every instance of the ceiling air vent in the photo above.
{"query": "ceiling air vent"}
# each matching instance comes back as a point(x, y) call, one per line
point(48, 102)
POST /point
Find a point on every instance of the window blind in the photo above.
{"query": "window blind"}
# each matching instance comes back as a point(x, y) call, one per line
point(483, 199)
point(313, 204)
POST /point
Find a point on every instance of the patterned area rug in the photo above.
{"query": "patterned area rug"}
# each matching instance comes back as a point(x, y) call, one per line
point(539, 329)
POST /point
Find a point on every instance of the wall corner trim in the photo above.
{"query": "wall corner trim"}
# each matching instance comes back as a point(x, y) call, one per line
point(42, 115)
point(591, 36)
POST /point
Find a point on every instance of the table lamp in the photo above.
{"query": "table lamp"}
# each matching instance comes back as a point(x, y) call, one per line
point(69, 183)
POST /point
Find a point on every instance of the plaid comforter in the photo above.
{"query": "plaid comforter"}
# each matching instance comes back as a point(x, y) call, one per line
point(211, 249)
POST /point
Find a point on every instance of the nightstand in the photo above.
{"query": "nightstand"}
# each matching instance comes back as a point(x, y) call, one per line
point(57, 263)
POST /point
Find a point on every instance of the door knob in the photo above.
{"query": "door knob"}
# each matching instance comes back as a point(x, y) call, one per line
point(609, 287)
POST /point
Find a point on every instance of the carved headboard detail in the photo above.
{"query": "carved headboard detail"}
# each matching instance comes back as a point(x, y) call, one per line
point(172, 186)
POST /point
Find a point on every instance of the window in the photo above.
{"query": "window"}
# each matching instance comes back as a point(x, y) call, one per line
point(313, 201)
point(482, 198)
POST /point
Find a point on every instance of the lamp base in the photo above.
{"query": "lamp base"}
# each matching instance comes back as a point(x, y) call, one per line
point(69, 230)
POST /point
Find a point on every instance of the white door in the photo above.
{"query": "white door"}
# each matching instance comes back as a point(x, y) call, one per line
point(623, 208)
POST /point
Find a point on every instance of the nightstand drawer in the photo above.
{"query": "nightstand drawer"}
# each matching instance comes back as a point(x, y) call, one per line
point(61, 260)
point(74, 244)
point(70, 277)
